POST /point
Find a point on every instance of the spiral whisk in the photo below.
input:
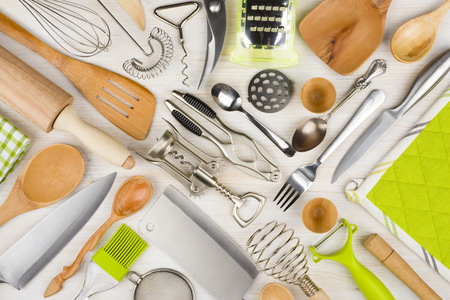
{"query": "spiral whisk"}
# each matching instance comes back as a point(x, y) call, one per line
point(278, 253)
point(77, 29)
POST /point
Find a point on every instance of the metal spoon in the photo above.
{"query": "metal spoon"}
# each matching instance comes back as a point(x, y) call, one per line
point(311, 133)
point(230, 100)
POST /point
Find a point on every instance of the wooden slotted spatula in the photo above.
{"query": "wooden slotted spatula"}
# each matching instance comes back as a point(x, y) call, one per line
point(127, 104)
point(345, 33)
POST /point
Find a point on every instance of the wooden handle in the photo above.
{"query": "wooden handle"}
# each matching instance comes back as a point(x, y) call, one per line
point(96, 140)
point(10, 207)
point(395, 263)
point(30, 93)
point(135, 11)
point(68, 271)
point(321, 295)
point(13, 30)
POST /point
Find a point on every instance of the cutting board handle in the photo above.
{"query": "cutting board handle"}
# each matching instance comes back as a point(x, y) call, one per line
point(96, 140)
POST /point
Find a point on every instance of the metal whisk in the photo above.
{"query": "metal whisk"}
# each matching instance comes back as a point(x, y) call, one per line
point(278, 253)
point(77, 29)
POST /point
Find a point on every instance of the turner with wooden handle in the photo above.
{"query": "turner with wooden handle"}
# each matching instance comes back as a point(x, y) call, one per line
point(395, 263)
point(49, 107)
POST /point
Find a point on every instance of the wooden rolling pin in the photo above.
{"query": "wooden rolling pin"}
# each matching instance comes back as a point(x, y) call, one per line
point(395, 263)
point(49, 107)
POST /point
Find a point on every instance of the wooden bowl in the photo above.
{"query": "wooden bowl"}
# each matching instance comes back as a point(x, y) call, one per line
point(318, 95)
point(275, 291)
point(319, 215)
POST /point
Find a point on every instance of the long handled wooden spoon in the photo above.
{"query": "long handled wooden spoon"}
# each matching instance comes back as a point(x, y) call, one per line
point(414, 39)
point(49, 176)
point(132, 195)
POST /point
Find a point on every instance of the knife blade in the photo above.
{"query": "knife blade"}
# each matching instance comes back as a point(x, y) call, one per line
point(35, 249)
point(421, 86)
point(216, 25)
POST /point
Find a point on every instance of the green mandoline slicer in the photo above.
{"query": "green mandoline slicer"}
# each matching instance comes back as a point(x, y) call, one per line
point(265, 34)
point(369, 284)
point(110, 264)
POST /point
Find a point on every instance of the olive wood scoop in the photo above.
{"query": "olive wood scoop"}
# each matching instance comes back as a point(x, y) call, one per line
point(125, 103)
point(50, 175)
point(131, 197)
point(49, 107)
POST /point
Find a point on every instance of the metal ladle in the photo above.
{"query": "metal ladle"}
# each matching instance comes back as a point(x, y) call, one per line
point(312, 132)
point(230, 100)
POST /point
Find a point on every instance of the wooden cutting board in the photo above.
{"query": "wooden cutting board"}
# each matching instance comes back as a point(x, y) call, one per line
point(345, 33)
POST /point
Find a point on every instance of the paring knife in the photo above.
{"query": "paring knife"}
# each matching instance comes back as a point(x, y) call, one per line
point(423, 84)
point(217, 25)
point(41, 244)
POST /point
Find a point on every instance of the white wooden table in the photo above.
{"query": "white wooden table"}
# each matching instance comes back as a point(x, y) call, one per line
point(332, 277)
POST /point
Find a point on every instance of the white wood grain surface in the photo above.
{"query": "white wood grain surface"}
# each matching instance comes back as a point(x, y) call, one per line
point(332, 277)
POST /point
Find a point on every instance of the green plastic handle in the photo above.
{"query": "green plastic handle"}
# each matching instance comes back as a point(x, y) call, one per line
point(369, 284)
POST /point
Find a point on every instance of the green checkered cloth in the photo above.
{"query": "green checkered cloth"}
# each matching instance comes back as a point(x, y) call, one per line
point(14, 144)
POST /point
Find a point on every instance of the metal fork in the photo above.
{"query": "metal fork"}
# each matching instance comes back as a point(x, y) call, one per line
point(300, 181)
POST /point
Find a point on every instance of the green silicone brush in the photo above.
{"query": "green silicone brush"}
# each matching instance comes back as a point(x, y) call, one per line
point(111, 262)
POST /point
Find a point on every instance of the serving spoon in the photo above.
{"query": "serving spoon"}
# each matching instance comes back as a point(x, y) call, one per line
point(312, 132)
point(53, 173)
point(414, 39)
point(230, 100)
point(132, 196)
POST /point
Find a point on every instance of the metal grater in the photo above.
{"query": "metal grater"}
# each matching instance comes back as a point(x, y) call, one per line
point(266, 22)
point(266, 31)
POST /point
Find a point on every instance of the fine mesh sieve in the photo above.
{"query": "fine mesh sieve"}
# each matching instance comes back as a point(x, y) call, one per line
point(161, 284)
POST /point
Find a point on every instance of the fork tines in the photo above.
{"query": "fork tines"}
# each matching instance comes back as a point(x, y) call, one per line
point(290, 195)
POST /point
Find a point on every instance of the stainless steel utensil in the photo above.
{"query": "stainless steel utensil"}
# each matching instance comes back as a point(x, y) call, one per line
point(312, 132)
point(33, 251)
point(200, 174)
point(303, 177)
point(77, 29)
point(184, 232)
point(179, 27)
point(260, 164)
point(277, 252)
point(217, 26)
point(423, 84)
point(229, 99)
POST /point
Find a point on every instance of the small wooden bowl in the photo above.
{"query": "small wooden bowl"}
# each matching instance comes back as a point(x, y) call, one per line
point(275, 291)
point(318, 95)
point(319, 215)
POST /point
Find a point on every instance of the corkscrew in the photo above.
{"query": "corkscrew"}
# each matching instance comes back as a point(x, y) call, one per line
point(198, 176)
point(278, 253)
point(179, 27)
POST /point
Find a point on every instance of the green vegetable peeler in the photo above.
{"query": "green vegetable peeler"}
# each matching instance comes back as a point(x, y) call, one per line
point(369, 284)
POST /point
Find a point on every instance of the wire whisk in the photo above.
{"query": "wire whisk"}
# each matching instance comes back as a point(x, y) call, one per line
point(77, 29)
point(278, 253)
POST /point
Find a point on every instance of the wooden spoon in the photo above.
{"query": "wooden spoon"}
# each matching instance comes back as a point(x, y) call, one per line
point(345, 33)
point(274, 291)
point(318, 95)
point(49, 176)
point(414, 39)
point(131, 197)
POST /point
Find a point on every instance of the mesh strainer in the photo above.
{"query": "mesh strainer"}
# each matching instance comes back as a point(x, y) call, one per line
point(161, 284)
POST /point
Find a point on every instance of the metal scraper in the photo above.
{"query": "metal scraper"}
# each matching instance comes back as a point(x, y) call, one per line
point(185, 233)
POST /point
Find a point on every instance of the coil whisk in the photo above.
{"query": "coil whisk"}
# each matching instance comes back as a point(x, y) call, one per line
point(278, 253)
point(136, 67)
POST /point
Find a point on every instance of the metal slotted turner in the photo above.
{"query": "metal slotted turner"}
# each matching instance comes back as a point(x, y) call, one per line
point(127, 104)
point(300, 181)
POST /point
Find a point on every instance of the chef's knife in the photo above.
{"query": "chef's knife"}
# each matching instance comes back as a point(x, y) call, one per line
point(216, 25)
point(423, 84)
point(33, 251)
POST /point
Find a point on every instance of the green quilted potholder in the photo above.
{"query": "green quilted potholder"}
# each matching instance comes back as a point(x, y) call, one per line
point(415, 191)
